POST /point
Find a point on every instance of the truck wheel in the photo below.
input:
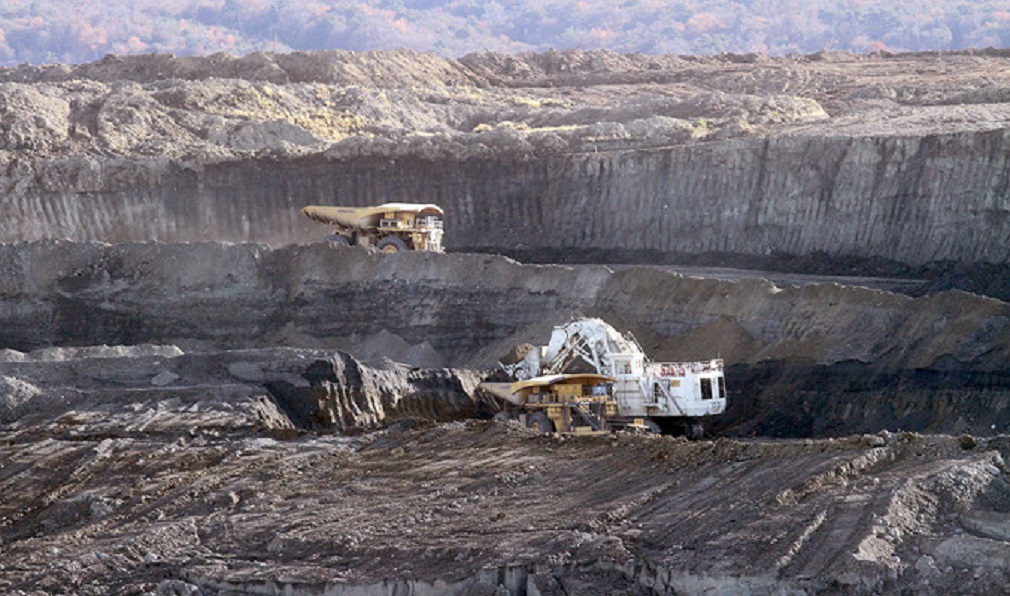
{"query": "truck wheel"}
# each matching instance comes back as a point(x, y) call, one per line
point(540, 422)
point(652, 428)
point(338, 240)
point(391, 244)
point(695, 430)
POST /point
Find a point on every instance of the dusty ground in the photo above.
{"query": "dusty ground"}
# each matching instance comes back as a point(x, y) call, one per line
point(481, 507)
point(131, 482)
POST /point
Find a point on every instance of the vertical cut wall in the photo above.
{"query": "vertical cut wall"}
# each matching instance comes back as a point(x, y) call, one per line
point(908, 199)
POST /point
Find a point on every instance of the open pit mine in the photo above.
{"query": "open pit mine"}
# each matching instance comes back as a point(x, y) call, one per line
point(202, 395)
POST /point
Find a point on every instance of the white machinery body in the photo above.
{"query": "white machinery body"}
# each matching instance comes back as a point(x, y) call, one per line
point(642, 388)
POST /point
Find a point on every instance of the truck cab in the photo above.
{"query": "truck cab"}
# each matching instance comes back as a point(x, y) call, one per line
point(568, 403)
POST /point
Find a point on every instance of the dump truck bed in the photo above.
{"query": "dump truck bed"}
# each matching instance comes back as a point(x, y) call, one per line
point(365, 217)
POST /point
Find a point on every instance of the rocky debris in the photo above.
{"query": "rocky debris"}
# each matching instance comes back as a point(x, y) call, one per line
point(486, 507)
point(379, 68)
point(123, 390)
point(342, 394)
point(16, 398)
point(408, 83)
point(214, 120)
point(32, 120)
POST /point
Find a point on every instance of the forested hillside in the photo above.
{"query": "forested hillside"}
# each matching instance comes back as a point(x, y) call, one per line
point(69, 31)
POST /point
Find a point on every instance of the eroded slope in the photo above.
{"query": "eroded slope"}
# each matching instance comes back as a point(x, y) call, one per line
point(854, 164)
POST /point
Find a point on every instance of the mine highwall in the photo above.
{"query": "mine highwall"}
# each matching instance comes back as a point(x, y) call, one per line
point(910, 200)
point(814, 360)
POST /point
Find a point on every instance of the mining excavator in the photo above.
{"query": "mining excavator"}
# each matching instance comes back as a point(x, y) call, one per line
point(668, 397)
point(390, 227)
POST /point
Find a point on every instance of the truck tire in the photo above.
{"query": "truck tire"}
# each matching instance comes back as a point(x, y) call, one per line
point(391, 244)
point(652, 427)
point(540, 422)
point(695, 431)
point(338, 240)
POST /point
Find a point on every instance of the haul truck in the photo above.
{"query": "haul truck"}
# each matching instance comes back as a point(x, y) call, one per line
point(672, 397)
point(390, 227)
point(569, 403)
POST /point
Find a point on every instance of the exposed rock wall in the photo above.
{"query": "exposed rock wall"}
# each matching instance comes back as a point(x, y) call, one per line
point(463, 309)
point(908, 199)
point(784, 399)
point(344, 394)
point(912, 200)
point(544, 155)
point(818, 360)
point(83, 393)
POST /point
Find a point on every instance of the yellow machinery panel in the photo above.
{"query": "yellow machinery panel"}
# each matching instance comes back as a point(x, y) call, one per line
point(568, 390)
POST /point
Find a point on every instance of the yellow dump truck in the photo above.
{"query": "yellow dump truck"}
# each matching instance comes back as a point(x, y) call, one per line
point(568, 403)
point(390, 227)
